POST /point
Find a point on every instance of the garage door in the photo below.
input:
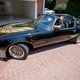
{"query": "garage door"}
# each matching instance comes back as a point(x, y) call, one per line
point(29, 9)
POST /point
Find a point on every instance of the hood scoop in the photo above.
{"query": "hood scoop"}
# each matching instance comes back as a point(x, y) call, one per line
point(13, 30)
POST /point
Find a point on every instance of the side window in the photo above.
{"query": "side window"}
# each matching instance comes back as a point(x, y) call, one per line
point(59, 25)
point(71, 24)
point(69, 20)
point(57, 22)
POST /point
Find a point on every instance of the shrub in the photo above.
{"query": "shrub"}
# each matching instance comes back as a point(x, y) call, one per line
point(50, 4)
point(60, 8)
point(73, 7)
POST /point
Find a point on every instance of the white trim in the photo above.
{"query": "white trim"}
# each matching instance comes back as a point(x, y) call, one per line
point(43, 5)
point(35, 9)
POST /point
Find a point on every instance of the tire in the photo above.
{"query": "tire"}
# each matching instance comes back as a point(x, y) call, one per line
point(76, 39)
point(74, 31)
point(18, 51)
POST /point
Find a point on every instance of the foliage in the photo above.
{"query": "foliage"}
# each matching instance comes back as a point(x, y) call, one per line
point(50, 4)
point(73, 7)
point(60, 8)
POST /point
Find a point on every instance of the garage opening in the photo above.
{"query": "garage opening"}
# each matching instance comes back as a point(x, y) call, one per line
point(29, 9)
point(26, 8)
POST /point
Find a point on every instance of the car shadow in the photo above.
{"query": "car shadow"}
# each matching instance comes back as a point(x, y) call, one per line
point(4, 59)
point(41, 49)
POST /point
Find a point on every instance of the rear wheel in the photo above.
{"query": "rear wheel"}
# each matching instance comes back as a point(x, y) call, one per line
point(18, 51)
point(74, 31)
point(76, 39)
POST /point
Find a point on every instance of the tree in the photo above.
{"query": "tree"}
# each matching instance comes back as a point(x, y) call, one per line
point(60, 8)
point(50, 4)
point(73, 7)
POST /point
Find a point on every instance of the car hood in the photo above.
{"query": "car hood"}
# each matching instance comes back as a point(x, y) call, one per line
point(14, 28)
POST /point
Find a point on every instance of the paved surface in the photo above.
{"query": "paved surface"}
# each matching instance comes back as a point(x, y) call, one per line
point(55, 62)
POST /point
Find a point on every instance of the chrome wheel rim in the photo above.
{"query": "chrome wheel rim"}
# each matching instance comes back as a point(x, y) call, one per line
point(78, 39)
point(16, 51)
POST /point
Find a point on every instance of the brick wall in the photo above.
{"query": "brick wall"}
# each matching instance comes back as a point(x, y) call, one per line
point(40, 4)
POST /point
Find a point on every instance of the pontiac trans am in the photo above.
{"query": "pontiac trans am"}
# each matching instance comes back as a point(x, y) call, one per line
point(19, 38)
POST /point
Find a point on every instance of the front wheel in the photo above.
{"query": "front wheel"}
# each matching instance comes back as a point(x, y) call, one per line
point(18, 51)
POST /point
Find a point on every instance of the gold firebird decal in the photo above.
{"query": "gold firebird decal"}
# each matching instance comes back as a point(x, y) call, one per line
point(10, 29)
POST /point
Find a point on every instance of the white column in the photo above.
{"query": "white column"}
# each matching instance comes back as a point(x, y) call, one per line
point(43, 5)
point(36, 12)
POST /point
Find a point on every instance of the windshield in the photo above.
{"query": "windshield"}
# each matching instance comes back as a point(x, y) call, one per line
point(46, 22)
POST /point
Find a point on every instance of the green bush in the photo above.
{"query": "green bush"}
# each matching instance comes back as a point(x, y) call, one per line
point(60, 8)
point(73, 7)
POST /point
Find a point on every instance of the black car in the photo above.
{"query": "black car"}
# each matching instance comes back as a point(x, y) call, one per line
point(19, 38)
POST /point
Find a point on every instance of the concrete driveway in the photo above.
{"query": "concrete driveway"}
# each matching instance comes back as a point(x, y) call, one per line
point(54, 62)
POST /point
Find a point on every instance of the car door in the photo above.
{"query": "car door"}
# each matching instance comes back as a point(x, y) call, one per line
point(63, 35)
point(42, 38)
point(49, 37)
point(57, 37)
point(38, 39)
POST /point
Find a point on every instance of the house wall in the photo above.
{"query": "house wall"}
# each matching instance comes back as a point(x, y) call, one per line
point(11, 7)
point(40, 4)
point(16, 7)
point(33, 8)
point(3, 8)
